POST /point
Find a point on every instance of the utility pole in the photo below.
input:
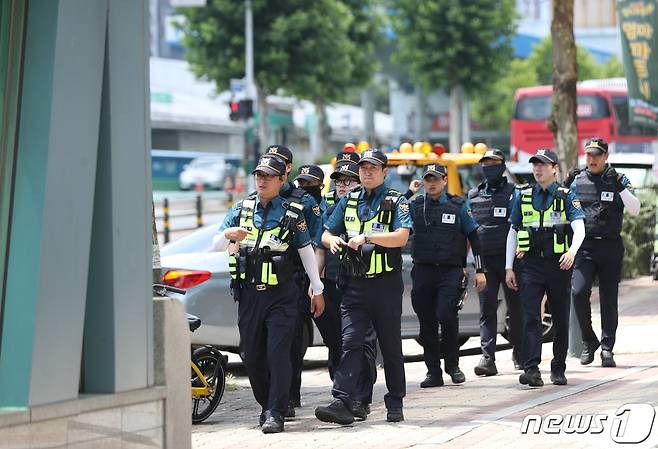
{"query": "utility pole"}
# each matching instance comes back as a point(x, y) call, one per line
point(250, 91)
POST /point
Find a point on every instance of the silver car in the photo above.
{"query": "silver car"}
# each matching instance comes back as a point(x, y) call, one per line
point(190, 263)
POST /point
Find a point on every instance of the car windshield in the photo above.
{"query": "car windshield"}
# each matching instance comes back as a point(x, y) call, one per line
point(626, 128)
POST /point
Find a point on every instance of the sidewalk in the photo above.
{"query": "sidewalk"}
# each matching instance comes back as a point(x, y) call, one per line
point(482, 412)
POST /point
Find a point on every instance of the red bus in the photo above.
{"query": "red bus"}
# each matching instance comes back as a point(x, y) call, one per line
point(602, 112)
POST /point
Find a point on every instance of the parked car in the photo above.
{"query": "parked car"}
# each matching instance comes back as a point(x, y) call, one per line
point(209, 171)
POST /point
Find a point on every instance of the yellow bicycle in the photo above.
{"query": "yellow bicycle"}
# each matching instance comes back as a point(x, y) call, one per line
point(209, 367)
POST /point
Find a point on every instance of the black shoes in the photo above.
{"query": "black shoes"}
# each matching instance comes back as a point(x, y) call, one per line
point(290, 411)
point(394, 414)
point(432, 380)
point(261, 418)
point(587, 354)
point(272, 424)
point(360, 410)
point(456, 375)
point(486, 367)
point(336, 412)
point(607, 359)
point(532, 378)
point(558, 378)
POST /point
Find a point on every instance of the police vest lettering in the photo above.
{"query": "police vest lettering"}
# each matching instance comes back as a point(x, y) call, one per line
point(378, 259)
point(604, 213)
point(438, 237)
point(265, 256)
point(491, 212)
point(544, 233)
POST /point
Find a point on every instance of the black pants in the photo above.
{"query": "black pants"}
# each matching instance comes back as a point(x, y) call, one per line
point(300, 287)
point(434, 299)
point(602, 258)
point(371, 302)
point(541, 276)
point(266, 320)
point(495, 266)
point(330, 327)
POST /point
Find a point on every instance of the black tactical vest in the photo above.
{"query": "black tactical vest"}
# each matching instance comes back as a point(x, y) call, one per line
point(604, 212)
point(438, 238)
point(491, 212)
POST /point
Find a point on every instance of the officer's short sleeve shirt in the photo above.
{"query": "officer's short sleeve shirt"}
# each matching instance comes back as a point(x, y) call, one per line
point(573, 209)
point(367, 208)
point(275, 211)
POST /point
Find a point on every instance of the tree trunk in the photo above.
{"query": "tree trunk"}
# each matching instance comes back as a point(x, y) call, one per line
point(368, 107)
point(263, 125)
point(565, 75)
point(321, 129)
point(455, 119)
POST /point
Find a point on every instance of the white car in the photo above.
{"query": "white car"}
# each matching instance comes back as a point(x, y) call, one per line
point(208, 171)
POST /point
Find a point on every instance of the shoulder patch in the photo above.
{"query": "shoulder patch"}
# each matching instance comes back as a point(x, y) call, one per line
point(576, 204)
point(404, 207)
point(316, 210)
point(302, 226)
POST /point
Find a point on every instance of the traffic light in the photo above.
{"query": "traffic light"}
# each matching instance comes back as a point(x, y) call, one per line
point(235, 108)
point(241, 110)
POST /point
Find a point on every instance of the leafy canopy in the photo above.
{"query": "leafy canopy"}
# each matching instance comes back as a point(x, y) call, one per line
point(448, 43)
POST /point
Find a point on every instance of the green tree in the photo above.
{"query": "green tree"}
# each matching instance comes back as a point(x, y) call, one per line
point(542, 60)
point(493, 110)
point(309, 49)
point(456, 45)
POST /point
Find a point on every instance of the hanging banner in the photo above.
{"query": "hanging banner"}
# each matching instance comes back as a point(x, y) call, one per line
point(638, 23)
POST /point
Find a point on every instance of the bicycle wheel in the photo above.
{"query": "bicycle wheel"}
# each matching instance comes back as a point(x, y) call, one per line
point(214, 371)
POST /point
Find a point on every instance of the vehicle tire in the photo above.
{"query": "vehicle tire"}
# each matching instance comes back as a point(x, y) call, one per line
point(208, 361)
point(655, 274)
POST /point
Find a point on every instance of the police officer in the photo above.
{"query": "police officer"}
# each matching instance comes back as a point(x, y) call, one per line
point(441, 223)
point(543, 217)
point(293, 193)
point(344, 156)
point(268, 230)
point(490, 203)
point(603, 194)
point(346, 178)
point(377, 223)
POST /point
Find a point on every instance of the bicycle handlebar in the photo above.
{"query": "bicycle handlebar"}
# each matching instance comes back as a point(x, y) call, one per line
point(161, 289)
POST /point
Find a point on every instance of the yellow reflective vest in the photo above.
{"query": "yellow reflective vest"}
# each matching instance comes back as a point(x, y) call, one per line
point(546, 232)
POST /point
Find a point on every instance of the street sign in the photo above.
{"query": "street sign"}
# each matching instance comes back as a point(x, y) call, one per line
point(638, 23)
point(236, 85)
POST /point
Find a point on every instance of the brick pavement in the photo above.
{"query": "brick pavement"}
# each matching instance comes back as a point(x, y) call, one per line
point(483, 412)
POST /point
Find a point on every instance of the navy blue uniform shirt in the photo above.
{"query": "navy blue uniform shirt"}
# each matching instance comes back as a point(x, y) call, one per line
point(468, 224)
point(542, 200)
point(367, 208)
point(312, 210)
point(275, 212)
point(624, 181)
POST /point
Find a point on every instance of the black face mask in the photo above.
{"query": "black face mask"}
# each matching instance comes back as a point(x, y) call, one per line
point(493, 172)
point(315, 192)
